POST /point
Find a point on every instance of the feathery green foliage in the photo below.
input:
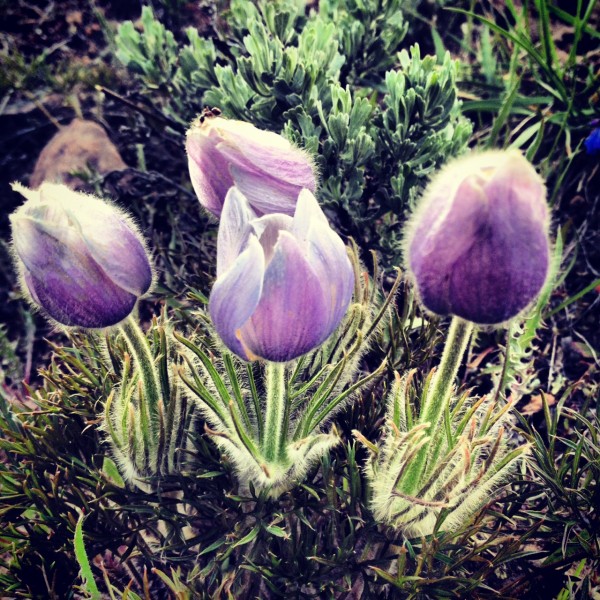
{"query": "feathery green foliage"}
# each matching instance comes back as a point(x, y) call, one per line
point(438, 465)
point(149, 435)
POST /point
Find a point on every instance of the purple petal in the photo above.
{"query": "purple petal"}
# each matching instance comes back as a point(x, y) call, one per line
point(112, 239)
point(209, 170)
point(326, 254)
point(264, 151)
point(499, 275)
point(30, 285)
point(291, 317)
point(93, 303)
point(65, 280)
point(116, 248)
point(516, 189)
point(266, 193)
point(447, 225)
point(267, 231)
point(233, 229)
point(236, 294)
point(507, 263)
point(329, 259)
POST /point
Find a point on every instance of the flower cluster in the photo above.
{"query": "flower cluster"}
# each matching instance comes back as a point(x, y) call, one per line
point(477, 248)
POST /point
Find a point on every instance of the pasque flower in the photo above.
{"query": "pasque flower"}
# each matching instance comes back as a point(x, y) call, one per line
point(283, 284)
point(477, 244)
point(263, 165)
point(80, 259)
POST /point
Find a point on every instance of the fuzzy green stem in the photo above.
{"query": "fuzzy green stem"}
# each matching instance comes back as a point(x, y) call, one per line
point(276, 412)
point(439, 394)
point(140, 349)
point(440, 389)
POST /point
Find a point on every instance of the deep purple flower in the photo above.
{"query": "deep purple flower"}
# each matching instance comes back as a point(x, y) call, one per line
point(81, 260)
point(264, 166)
point(592, 142)
point(283, 284)
point(478, 243)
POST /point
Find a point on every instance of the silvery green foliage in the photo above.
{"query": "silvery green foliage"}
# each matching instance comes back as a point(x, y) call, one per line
point(369, 34)
point(273, 420)
point(378, 121)
point(468, 457)
point(149, 435)
point(384, 151)
point(153, 54)
point(277, 70)
point(420, 126)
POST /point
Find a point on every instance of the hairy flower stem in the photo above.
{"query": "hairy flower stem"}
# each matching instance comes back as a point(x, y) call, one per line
point(276, 411)
point(140, 349)
point(441, 387)
point(439, 394)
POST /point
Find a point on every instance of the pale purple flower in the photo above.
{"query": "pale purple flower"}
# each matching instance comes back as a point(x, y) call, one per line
point(264, 166)
point(283, 284)
point(79, 258)
point(478, 243)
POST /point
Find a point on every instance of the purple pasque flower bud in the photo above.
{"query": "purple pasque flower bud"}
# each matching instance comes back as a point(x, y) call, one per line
point(80, 259)
point(263, 165)
point(283, 284)
point(477, 244)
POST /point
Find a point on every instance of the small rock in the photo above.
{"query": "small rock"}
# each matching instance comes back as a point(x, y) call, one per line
point(76, 148)
point(536, 404)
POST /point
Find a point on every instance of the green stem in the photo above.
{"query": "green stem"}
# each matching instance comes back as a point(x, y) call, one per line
point(140, 349)
point(438, 395)
point(440, 389)
point(275, 426)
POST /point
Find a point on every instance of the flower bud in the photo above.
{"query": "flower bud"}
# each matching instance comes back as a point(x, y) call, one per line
point(81, 259)
point(283, 284)
point(477, 244)
point(264, 166)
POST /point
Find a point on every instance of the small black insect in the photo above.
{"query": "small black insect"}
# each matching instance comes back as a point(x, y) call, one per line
point(209, 113)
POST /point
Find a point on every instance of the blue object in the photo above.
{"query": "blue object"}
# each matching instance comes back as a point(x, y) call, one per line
point(592, 142)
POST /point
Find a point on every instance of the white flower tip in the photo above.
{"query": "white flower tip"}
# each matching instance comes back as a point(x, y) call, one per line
point(308, 207)
point(18, 187)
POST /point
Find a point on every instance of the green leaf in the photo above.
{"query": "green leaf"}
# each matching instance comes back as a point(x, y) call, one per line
point(213, 546)
point(526, 44)
point(111, 472)
point(438, 44)
point(488, 59)
point(504, 113)
point(277, 531)
point(247, 538)
point(86, 574)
